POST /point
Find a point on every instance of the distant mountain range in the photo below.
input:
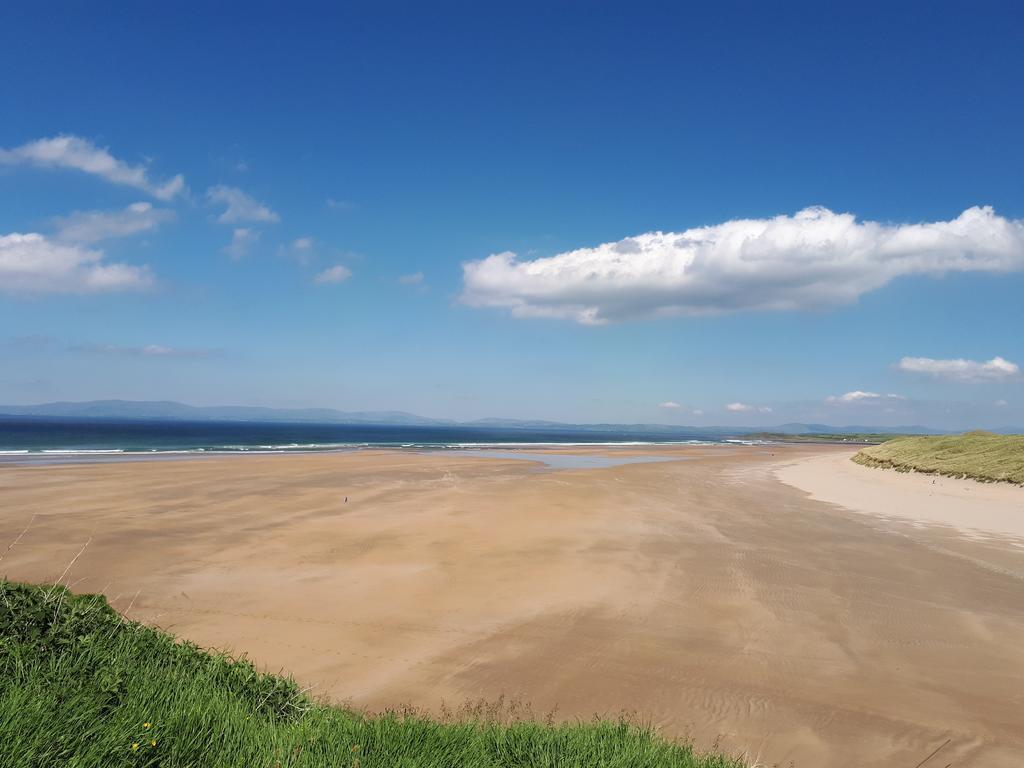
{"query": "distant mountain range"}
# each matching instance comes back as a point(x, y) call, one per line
point(167, 410)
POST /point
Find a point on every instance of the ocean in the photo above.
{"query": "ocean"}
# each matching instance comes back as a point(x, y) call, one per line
point(40, 436)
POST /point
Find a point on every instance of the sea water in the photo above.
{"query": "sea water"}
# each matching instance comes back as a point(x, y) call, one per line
point(56, 439)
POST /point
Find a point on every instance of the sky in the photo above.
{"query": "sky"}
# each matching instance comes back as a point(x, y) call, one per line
point(728, 213)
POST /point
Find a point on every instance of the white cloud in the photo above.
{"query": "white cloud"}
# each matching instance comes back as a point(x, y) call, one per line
point(414, 279)
point(339, 205)
point(93, 226)
point(150, 350)
point(239, 205)
point(747, 408)
point(32, 264)
point(961, 370)
point(241, 240)
point(858, 396)
point(302, 243)
point(335, 274)
point(1000, 403)
point(813, 259)
point(698, 412)
point(82, 155)
point(669, 404)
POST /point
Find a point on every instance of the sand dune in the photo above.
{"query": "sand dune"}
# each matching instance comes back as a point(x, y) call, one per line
point(704, 595)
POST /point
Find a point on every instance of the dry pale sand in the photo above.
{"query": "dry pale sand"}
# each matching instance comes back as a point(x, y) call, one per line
point(704, 594)
point(976, 509)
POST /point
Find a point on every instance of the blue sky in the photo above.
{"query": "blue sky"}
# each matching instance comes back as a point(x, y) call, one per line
point(307, 206)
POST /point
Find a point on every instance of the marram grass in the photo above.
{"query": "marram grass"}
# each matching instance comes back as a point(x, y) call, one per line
point(980, 455)
point(82, 687)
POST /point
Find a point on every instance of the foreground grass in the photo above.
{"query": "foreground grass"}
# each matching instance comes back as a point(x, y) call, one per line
point(979, 455)
point(80, 686)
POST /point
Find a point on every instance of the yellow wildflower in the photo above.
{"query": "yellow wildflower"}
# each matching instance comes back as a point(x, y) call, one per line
point(135, 746)
point(147, 725)
point(152, 743)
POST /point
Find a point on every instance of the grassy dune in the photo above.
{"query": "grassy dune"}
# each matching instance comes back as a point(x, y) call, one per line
point(979, 455)
point(824, 437)
point(80, 686)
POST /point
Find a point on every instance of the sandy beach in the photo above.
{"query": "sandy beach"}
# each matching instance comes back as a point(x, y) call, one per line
point(779, 602)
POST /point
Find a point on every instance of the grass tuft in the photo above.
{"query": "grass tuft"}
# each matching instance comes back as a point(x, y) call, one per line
point(979, 455)
point(81, 686)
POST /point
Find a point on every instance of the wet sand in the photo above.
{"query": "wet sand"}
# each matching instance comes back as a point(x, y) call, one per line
point(705, 596)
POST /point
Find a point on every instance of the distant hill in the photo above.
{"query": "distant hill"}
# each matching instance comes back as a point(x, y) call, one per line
point(160, 410)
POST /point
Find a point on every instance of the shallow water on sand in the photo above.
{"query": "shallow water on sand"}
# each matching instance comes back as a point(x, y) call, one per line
point(567, 460)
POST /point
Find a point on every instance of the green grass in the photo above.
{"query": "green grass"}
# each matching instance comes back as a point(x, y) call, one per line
point(824, 437)
point(979, 455)
point(80, 686)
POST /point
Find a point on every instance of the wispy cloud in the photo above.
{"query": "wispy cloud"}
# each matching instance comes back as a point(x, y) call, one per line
point(669, 404)
point(32, 341)
point(811, 260)
point(416, 278)
point(241, 240)
point(93, 226)
point(73, 152)
point(149, 350)
point(335, 274)
point(996, 369)
point(859, 396)
point(302, 250)
point(240, 206)
point(33, 264)
point(339, 205)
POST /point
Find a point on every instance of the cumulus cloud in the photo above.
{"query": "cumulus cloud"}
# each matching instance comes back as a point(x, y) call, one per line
point(669, 404)
point(414, 279)
point(241, 240)
point(93, 226)
point(33, 264)
point(814, 259)
point(76, 153)
point(859, 396)
point(150, 350)
point(302, 243)
point(335, 274)
point(239, 206)
point(995, 369)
